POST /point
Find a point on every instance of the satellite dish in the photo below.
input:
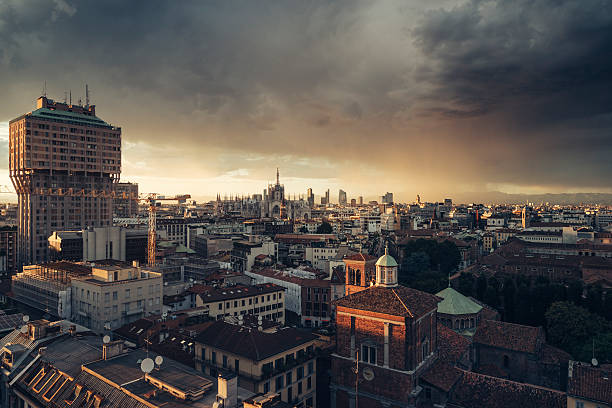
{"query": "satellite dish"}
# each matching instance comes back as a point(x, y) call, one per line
point(24, 329)
point(159, 360)
point(147, 365)
point(106, 339)
point(26, 318)
point(594, 362)
point(368, 373)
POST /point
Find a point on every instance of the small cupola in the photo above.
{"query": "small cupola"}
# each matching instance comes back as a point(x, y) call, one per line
point(386, 270)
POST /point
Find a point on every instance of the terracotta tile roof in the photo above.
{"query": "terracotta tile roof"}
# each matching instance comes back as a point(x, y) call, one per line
point(589, 382)
point(360, 257)
point(509, 336)
point(442, 375)
point(553, 355)
point(251, 343)
point(398, 301)
point(480, 391)
point(451, 345)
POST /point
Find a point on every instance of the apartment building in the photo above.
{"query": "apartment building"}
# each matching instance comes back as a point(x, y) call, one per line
point(282, 362)
point(266, 300)
point(115, 294)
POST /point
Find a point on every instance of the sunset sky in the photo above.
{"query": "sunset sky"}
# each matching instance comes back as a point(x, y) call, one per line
point(430, 97)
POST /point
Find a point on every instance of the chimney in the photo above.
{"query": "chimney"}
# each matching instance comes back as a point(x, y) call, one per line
point(112, 349)
point(227, 393)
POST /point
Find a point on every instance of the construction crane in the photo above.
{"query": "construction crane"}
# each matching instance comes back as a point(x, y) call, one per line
point(152, 200)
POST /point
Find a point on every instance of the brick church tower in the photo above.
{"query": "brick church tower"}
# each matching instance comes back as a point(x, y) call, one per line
point(386, 338)
point(359, 269)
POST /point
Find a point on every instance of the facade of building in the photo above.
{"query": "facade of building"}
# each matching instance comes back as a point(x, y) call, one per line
point(265, 300)
point(94, 244)
point(282, 362)
point(125, 204)
point(391, 331)
point(64, 162)
point(115, 294)
point(8, 250)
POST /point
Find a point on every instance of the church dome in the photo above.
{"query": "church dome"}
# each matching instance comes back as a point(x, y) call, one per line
point(386, 260)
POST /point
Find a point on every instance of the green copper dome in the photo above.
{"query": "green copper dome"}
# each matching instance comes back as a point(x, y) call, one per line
point(386, 260)
point(455, 303)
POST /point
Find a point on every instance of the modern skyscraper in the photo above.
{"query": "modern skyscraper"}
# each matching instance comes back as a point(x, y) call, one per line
point(64, 162)
point(310, 197)
point(327, 197)
point(342, 197)
point(360, 200)
point(387, 198)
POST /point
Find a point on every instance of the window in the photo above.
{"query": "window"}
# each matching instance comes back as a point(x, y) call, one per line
point(310, 368)
point(224, 361)
point(127, 293)
point(368, 354)
point(309, 383)
point(220, 306)
point(266, 388)
point(279, 383)
point(300, 372)
point(579, 404)
point(107, 297)
point(299, 388)
point(425, 348)
point(289, 379)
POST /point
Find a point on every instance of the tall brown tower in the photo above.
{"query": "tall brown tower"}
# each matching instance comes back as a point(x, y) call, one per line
point(64, 162)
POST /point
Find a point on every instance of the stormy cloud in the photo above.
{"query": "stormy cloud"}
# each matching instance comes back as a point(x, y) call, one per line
point(405, 96)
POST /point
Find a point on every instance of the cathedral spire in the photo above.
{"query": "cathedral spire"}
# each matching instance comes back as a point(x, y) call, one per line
point(277, 177)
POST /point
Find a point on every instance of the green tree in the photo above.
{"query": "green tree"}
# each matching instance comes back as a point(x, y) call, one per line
point(509, 292)
point(491, 297)
point(570, 327)
point(325, 228)
point(465, 284)
point(523, 305)
point(481, 287)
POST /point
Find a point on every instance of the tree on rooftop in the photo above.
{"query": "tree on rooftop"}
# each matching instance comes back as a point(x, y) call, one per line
point(325, 228)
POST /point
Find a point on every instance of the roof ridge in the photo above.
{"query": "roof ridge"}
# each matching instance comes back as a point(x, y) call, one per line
point(402, 302)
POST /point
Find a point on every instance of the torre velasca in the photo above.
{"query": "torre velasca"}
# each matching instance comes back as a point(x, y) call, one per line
point(64, 162)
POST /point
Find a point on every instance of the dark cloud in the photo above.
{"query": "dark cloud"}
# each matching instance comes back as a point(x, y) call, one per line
point(436, 93)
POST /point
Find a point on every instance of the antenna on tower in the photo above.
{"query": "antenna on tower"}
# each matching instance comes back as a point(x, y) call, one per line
point(45, 89)
point(86, 95)
point(71, 97)
point(65, 96)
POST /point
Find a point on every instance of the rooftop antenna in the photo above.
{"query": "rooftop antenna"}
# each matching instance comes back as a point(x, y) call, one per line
point(45, 89)
point(71, 97)
point(594, 361)
point(65, 96)
point(86, 95)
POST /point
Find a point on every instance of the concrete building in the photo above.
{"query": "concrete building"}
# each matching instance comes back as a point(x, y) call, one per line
point(282, 361)
point(387, 198)
point(8, 251)
point(64, 162)
point(94, 244)
point(47, 287)
point(244, 253)
point(115, 294)
point(125, 203)
point(265, 300)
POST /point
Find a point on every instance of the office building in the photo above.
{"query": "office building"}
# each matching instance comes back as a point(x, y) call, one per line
point(125, 203)
point(8, 250)
point(64, 162)
point(342, 197)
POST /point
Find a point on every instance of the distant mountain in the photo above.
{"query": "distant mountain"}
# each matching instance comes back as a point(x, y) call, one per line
point(560, 198)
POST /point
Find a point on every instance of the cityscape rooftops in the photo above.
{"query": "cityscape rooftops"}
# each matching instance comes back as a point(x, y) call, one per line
point(237, 292)
point(588, 382)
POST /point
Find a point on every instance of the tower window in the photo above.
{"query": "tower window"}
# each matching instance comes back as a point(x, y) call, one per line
point(368, 354)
